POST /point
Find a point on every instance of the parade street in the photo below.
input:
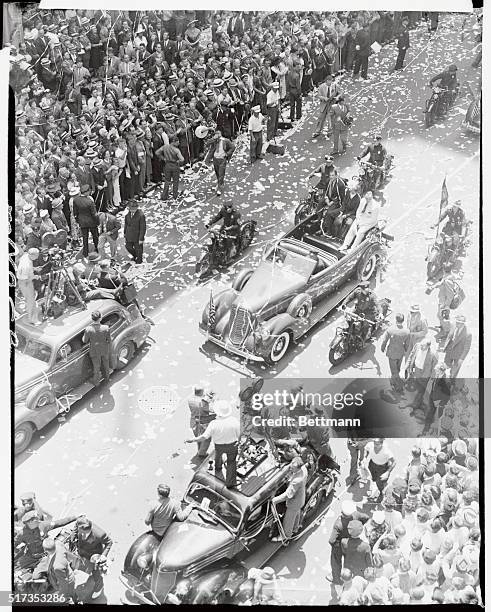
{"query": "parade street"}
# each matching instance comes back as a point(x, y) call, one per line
point(112, 448)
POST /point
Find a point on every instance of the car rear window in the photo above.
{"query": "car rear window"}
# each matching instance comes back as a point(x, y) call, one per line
point(33, 348)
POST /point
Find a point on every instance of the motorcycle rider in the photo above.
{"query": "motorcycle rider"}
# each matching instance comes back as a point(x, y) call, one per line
point(446, 80)
point(230, 226)
point(29, 502)
point(377, 154)
point(455, 216)
point(363, 302)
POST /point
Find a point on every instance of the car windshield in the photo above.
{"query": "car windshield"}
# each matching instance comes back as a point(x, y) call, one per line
point(291, 261)
point(214, 504)
point(33, 348)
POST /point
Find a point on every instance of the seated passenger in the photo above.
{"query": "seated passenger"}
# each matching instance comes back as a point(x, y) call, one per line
point(346, 216)
point(366, 218)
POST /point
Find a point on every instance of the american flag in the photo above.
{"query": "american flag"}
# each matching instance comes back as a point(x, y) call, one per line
point(211, 314)
point(444, 197)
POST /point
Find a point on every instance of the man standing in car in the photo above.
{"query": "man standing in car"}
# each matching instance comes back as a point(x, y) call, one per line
point(162, 513)
point(99, 340)
point(294, 497)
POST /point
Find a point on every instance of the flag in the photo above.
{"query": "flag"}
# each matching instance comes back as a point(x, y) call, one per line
point(444, 197)
point(211, 314)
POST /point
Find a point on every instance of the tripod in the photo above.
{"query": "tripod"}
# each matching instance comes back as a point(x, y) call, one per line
point(56, 285)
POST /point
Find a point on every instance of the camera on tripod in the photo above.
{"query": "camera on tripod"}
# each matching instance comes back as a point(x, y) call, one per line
point(55, 257)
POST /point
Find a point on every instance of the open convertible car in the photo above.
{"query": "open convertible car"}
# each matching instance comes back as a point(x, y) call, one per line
point(206, 557)
point(302, 277)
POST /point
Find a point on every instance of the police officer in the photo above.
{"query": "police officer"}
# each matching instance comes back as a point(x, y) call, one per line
point(455, 216)
point(377, 154)
point(33, 532)
point(447, 80)
point(98, 338)
point(230, 226)
point(29, 503)
point(325, 172)
point(364, 303)
point(199, 407)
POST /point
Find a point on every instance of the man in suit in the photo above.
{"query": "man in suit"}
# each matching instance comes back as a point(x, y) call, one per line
point(159, 139)
point(85, 215)
point(235, 25)
point(362, 52)
point(109, 227)
point(402, 45)
point(221, 149)
point(349, 512)
point(394, 345)
point(357, 555)
point(457, 345)
point(99, 340)
point(92, 540)
point(168, 48)
point(135, 227)
point(420, 368)
point(326, 93)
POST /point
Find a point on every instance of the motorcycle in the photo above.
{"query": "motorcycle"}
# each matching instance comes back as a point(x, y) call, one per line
point(371, 176)
point(446, 249)
point(472, 121)
point(313, 203)
point(216, 253)
point(349, 338)
point(439, 102)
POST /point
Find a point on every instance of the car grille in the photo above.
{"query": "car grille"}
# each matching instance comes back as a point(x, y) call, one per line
point(163, 583)
point(240, 321)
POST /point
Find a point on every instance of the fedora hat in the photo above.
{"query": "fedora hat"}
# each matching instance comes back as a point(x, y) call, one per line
point(73, 191)
point(93, 257)
point(222, 409)
point(256, 109)
point(85, 189)
point(132, 204)
point(28, 209)
point(202, 131)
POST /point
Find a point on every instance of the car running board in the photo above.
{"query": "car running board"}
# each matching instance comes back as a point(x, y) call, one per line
point(65, 402)
point(329, 304)
point(263, 554)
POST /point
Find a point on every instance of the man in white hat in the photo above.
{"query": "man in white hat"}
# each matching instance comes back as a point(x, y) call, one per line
point(222, 149)
point(224, 432)
point(349, 512)
point(265, 585)
point(273, 109)
point(25, 277)
point(256, 134)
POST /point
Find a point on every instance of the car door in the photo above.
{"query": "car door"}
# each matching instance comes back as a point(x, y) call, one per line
point(323, 282)
point(71, 366)
point(255, 530)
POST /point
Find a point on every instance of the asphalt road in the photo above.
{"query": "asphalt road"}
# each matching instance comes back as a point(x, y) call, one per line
point(108, 455)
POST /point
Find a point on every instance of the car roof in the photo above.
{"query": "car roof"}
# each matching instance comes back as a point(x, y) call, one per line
point(253, 489)
point(72, 321)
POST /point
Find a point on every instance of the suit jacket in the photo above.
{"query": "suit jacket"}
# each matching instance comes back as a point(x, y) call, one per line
point(132, 159)
point(403, 40)
point(84, 211)
point(430, 362)
point(169, 49)
point(238, 27)
point(135, 226)
point(395, 342)
point(457, 347)
point(85, 177)
point(362, 39)
point(228, 148)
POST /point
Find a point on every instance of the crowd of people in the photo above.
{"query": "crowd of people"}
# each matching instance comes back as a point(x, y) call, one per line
point(419, 543)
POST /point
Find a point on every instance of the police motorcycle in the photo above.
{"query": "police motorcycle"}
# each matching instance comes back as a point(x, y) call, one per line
point(371, 176)
point(216, 252)
point(446, 249)
point(312, 203)
point(439, 103)
point(350, 338)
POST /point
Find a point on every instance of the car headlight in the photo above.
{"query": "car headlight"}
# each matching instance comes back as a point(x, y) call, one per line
point(144, 561)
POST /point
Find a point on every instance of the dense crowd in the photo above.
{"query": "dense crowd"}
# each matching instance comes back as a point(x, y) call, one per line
point(99, 94)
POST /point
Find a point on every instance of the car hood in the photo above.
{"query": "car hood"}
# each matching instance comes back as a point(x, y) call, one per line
point(268, 284)
point(27, 369)
point(190, 541)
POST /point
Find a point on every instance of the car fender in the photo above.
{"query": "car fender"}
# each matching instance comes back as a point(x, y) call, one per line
point(208, 586)
point(35, 394)
point(276, 325)
point(38, 417)
point(223, 301)
point(146, 543)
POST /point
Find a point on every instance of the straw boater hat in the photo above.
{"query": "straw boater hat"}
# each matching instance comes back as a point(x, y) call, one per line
point(73, 191)
point(217, 82)
point(202, 131)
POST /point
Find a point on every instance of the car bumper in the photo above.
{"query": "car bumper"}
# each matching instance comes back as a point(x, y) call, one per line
point(230, 348)
point(130, 583)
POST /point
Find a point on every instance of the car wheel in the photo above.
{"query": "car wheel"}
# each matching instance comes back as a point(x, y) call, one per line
point(23, 436)
point(203, 265)
point(368, 267)
point(300, 307)
point(279, 348)
point(124, 355)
